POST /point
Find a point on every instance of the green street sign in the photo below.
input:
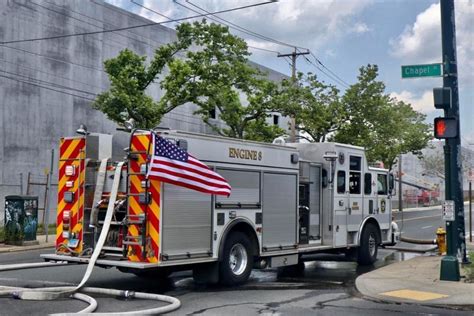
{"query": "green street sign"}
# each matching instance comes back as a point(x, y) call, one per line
point(418, 71)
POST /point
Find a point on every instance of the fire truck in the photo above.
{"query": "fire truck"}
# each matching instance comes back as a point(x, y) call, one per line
point(287, 201)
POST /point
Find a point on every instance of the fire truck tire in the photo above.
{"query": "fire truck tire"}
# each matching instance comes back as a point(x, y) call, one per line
point(369, 243)
point(237, 260)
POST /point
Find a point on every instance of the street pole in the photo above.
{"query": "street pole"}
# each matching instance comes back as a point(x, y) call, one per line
point(456, 244)
point(470, 211)
point(293, 56)
point(400, 193)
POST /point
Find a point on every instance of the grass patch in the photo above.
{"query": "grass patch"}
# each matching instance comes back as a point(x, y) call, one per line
point(2, 234)
point(469, 268)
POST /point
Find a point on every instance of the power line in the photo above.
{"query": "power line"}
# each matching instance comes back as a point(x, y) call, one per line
point(236, 26)
point(53, 84)
point(335, 75)
point(258, 35)
point(47, 73)
point(89, 99)
point(48, 88)
point(144, 39)
point(169, 18)
point(132, 27)
point(335, 79)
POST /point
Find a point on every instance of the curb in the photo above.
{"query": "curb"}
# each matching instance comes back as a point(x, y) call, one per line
point(26, 248)
point(416, 250)
point(373, 287)
point(452, 307)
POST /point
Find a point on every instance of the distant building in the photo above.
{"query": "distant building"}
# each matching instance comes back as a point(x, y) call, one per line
point(47, 86)
point(415, 173)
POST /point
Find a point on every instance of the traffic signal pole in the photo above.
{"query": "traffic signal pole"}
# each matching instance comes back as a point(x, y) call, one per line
point(456, 244)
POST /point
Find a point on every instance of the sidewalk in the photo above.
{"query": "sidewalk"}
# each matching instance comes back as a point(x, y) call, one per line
point(41, 239)
point(416, 281)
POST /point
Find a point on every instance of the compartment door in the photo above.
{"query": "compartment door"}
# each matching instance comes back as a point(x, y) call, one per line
point(279, 210)
point(187, 223)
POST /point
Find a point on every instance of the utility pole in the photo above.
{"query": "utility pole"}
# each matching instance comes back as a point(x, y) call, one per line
point(456, 244)
point(293, 56)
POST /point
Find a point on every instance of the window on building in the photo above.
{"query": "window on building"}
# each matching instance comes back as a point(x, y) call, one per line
point(382, 184)
point(341, 182)
point(368, 183)
point(276, 119)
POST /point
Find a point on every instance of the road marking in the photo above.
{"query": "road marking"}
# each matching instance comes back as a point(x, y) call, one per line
point(426, 227)
point(416, 218)
point(415, 295)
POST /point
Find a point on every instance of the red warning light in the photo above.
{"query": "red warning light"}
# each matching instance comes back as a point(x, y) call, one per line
point(445, 127)
point(440, 127)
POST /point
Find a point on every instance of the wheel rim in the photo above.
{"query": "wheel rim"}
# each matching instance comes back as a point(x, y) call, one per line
point(372, 245)
point(238, 259)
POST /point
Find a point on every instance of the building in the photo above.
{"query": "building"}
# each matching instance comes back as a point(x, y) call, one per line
point(47, 86)
point(415, 172)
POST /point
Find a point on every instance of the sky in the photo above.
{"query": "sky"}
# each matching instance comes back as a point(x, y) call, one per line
point(345, 35)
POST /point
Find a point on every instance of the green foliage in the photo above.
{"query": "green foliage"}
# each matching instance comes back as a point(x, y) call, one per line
point(383, 125)
point(316, 106)
point(2, 234)
point(213, 74)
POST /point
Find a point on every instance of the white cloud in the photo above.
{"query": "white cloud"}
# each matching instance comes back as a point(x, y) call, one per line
point(330, 53)
point(421, 42)
point(361, 28)
point(310, 24)
point(423, 103)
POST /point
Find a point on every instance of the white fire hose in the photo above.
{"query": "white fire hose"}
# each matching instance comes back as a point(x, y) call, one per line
point(51, 293)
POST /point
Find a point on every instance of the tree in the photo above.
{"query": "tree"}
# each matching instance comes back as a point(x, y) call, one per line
point(383, 125)
point(316, 106)
point(214, 74)
point(433, 163)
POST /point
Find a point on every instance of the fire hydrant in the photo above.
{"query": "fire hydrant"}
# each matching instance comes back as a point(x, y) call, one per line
point(441, 240)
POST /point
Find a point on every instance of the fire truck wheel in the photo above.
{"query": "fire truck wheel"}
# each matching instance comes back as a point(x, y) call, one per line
point(237, 260)
point(369, 243)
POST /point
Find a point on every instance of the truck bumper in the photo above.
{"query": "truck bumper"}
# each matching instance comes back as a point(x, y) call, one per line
point(101, 262)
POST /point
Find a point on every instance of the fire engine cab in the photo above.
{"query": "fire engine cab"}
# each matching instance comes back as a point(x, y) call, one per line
point(287, 200)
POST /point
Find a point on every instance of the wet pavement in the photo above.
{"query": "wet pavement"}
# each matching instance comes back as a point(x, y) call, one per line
point(325, 286)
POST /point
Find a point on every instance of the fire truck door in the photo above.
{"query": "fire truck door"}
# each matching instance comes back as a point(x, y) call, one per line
point(355, 207)
point(315, 203)
point(341, 205)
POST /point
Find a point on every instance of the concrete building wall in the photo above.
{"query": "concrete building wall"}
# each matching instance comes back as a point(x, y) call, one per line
point(46, 87)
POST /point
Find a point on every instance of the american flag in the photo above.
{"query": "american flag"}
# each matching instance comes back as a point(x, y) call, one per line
point(173, 165)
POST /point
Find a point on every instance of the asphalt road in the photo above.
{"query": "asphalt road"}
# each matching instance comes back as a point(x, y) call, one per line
point(422, 224)
point(325, 288)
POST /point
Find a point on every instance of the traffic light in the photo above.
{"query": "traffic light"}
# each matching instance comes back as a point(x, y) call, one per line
point(442, 98)
point(445, 127)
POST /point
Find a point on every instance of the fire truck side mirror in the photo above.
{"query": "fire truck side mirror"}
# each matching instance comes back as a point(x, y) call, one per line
point(391, 184)
point(324, 178)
